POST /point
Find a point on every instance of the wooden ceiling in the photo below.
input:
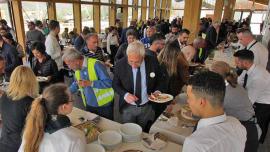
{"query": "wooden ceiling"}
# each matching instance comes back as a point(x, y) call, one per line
point(264, 2)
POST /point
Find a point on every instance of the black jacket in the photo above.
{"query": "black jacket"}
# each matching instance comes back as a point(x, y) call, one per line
point(121, 52)
point(13, 118)
point(123, 78)
point(46, 68)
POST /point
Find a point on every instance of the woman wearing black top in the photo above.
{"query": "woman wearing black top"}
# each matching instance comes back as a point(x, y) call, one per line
point(43, 65)
point(15, 105)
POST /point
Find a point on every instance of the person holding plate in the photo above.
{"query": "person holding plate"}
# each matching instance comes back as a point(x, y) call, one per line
point(43, 65)
point(136, 76)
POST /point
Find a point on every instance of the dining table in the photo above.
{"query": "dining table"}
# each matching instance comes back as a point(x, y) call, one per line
point(105, 124)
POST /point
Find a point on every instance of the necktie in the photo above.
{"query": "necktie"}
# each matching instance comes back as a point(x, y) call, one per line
point(138, 87)
point(245, 80)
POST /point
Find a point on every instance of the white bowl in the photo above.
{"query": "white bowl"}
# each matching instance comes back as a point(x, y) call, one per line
point(131, 132)
point(110, 139)
point(95, 148)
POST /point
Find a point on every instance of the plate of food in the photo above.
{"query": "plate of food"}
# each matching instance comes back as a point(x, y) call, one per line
point(160, 98)
point(41, 79)
point(90, 130)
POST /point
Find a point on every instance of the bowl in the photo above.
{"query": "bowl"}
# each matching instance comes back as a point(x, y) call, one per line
point(110, 139)
point(131, 132)
point(95, 148)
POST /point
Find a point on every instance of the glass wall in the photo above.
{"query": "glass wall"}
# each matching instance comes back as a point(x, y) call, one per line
point(87, 15)
point(4, 12)
point(129, 15)
point(64, 14)
point(118, 1)
point(33, 11)
point(139, 14)
point(104, 17)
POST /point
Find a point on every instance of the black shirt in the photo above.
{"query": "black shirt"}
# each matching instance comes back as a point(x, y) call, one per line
point(13, 118)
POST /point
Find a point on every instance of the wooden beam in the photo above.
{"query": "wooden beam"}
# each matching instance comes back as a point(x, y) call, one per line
point(144, 9)
point(112, 13)
point(191, 20)
point(168, 12)
point(96, 17)
point(125, 12)
point(264, 2)
point(151, 9)
point(229, 10)
point(18, 21)
point(157, 8)
point(51, 11)
point(77, 16)
point(218, 10)
point(135, 10)
point(163, 9)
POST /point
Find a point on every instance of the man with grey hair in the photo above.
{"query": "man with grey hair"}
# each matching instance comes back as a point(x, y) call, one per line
point(246, 39)
point(136, 76)
point(93, 81)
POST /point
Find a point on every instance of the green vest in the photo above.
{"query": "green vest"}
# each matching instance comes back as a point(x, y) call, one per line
point(103, 96)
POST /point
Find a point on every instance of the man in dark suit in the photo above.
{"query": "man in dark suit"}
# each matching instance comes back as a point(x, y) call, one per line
point(212, 37)
point(136, 77)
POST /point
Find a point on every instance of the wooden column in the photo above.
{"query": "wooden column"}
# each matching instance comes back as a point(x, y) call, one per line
point(97, 17)
point(158, 8)
point(125, 12)
point(112, 13)
point(229, 9)
point(135, 10)
point(163, 9)
point(151, 9)
point(77, 16)
point(218, 10)
point(191, 20)
point(168, 11)
point(51, 11)
point(18, 21)
point(144, 9)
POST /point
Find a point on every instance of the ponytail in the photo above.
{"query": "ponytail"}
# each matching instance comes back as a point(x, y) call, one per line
point(35, 124)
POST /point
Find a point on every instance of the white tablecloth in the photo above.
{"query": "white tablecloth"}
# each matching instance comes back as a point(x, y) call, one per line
point(175, 134)
point(106, 124)
point(226, 56)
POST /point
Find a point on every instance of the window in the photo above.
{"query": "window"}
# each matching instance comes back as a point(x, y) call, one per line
point(256, 19)
point(104, 1)
point(139, 13)
point(139, 2)
point(87, 15)
point(207, 13)
point(237, 16)
point(129, 15)
point(148, 2)
point(64, 14)
point(104, 17)
point(4, 12)
point(130, 2)
point(87, 0)
point(118, 1)
point(33, 11)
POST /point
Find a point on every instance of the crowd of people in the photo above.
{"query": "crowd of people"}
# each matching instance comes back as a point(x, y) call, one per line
point(145, 58)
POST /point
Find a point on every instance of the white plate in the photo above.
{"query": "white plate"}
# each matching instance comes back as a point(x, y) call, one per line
point(95, 148)
point(110, 139)
point(131, 132)
point(41, 79)
point(169, 98)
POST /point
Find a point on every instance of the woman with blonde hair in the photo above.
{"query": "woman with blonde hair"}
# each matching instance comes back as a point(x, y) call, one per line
point(48, 129)
point(237, 104)
point(14, 106)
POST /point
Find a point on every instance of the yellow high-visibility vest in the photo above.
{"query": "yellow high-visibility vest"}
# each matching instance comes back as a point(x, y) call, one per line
point(103, 96)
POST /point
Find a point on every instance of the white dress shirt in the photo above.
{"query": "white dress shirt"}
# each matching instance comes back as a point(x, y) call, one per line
point(217, 134)
point(144, 94)
point(112, 39)
point(260, 53)
point(258, 84)
point(68, 139)
point(53, 49)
